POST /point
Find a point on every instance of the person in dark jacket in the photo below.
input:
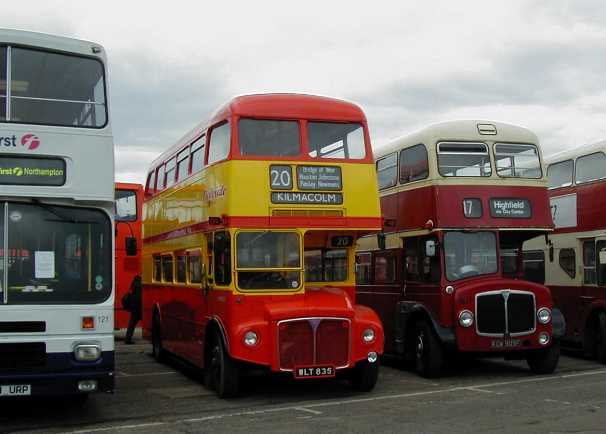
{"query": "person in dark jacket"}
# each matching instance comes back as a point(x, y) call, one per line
point(135, 308)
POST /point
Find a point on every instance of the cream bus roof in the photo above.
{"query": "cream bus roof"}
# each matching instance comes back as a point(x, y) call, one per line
point(577, 151)
point(466, 130)
point(52, 42)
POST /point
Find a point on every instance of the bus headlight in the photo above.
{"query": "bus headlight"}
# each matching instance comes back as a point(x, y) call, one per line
point(250, 339)
point(466, 318)
point(368, 336)
point(544, 315)
point(544, 338)
point(87, 353)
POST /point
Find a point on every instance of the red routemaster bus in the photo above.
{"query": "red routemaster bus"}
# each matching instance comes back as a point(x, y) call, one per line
point(129, 201)
point(249, 228)
point(573, 261)
point(459, 199)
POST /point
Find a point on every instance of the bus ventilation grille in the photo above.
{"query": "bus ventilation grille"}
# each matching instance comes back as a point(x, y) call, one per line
point(313, 341)
point(307, 213)
point(22, 355)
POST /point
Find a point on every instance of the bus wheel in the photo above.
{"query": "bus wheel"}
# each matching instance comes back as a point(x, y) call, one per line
point(429, 355)
point(364, 375)
point(221, 371)
point(157, 351)
point(600, 344)
point(544, 361)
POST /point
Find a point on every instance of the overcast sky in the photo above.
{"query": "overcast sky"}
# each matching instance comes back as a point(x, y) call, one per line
point(540, 64)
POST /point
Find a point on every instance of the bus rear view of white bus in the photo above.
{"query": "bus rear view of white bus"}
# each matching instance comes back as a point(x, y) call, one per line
point(56, 217)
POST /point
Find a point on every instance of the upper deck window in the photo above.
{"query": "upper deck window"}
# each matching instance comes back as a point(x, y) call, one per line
point(591, 167)
point(269, 137)
point(560, 174)
point(183, 164)
point(219, 143)
point(51, 88)
point(517, 161)
point(414, 164)
point(387, 171)
point(336, 140)
point(126, 206)
point(463, 159)
point(197, 154)
point(169, 174)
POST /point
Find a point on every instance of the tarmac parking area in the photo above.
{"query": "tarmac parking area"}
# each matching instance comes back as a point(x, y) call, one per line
point(485, 396)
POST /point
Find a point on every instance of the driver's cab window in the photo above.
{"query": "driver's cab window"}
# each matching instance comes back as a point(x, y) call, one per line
point(418, 266)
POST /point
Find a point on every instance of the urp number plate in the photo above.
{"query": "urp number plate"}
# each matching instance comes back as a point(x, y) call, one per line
point(314, 372)
point(16, 390)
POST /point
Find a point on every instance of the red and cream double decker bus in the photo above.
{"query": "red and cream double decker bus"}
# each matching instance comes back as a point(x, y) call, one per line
point(458, 200)
point(56, 217)
point(572, 261)
point(249, 228)
point(129, 201)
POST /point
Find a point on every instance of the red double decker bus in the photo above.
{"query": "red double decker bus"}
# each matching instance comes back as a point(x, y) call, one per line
point(128, 205)
point(459, 199)
point(249, 229)
point(572, 263)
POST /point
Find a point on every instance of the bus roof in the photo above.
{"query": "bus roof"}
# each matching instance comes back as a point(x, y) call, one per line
point(274, 105)
point(51, 42)
point(577, 151)
point(460, 130)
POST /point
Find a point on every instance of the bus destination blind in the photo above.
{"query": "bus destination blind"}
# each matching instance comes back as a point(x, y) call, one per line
point(32, 171)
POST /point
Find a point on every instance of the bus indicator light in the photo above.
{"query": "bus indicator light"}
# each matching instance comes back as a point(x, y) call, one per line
point(88, 323)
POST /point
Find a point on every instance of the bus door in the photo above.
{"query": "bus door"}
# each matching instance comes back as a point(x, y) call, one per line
point(195, 302)
point(598, 291)
point(422, 271)
point(386, 291)
point(573, 311)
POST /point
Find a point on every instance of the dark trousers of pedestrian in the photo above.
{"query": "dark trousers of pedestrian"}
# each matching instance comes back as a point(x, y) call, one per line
point(132, 323)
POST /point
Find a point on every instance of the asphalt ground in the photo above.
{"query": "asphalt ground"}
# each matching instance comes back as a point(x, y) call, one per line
point(479, 396)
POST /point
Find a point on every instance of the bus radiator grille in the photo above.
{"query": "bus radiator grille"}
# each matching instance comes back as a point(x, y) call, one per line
point(505, 312)
point(313, 341)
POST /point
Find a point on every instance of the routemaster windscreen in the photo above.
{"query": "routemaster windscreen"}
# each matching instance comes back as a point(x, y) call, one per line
point(56, 254)
point(268, 259)
point(49, 88)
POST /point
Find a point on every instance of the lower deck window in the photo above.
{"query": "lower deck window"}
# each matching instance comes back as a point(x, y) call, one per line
point(326, 265)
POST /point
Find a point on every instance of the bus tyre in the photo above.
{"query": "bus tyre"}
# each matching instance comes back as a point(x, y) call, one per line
point(222, 371)
point(157, 351)
point(544, 361)
point(429, 355)
point(600, 343)
point(364, 375)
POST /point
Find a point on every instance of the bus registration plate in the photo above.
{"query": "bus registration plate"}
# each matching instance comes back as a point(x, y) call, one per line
point(16, 390)
point(505, 343)
point(314, 372)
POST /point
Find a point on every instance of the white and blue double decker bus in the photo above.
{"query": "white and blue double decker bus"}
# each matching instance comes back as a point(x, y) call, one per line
point(56, 217)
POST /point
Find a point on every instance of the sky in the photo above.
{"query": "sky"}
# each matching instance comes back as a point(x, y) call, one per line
point(539, 64)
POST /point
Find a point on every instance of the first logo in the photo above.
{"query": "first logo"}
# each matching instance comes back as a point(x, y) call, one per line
point(31, 141)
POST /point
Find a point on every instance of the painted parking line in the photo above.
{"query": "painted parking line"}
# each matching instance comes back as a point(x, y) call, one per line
point(145, 374)
point(310, 407)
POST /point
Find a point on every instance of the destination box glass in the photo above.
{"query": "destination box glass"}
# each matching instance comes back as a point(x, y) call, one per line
point(319, 178)
point(510, 208)
point(32, 171)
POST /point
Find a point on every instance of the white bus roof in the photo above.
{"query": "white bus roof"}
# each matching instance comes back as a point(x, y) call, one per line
point(51, 42)
point(466, 130)
point(577, 151)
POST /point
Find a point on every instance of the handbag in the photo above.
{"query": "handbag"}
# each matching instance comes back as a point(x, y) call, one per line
point(126, 301)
